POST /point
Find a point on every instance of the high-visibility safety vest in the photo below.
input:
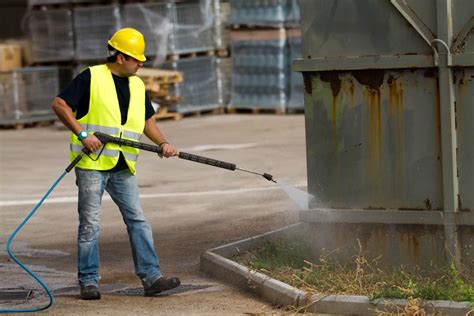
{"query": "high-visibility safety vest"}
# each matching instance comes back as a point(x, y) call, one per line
point(104, 116)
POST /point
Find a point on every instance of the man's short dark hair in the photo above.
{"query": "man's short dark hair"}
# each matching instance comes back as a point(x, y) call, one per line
point(113, 53)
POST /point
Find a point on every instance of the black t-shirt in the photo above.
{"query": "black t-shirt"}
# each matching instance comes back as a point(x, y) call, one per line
point(77, 95)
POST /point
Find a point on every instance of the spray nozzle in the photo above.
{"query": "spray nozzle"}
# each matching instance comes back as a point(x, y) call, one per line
point(269, 177)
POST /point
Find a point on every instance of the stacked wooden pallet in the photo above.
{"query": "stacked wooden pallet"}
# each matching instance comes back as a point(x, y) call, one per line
point(158, 83)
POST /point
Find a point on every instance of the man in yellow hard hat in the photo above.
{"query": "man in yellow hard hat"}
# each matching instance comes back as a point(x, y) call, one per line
point(109, 98)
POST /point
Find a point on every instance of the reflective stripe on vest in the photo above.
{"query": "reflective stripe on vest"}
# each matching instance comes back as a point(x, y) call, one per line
point(103, 129)
point(105, 152)
point(104, 116)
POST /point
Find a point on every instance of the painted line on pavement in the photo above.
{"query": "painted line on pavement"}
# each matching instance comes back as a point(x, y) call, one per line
point(73, 199)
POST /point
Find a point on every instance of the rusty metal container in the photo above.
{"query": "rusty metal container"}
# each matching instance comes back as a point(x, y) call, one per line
point(389, 105)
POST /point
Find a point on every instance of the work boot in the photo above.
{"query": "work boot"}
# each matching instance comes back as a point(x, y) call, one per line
point(162, 284)
point(90, 292)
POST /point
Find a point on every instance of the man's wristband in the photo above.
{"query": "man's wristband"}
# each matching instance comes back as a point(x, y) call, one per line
point(162, 143)
point(82, 135)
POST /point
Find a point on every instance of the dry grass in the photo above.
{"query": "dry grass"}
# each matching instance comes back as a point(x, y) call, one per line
point(288, 263)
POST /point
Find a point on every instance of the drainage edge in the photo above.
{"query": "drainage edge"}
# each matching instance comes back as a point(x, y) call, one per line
point(282, 294)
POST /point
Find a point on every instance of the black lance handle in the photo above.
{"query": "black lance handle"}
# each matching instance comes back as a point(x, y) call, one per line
point(76, 160)
point(105, 138)
point(207, 161)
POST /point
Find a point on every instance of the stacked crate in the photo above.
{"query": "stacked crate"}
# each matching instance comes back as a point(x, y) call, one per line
point(188, 36)
point(93, 27)
point(51, 35)
point(200, 91)
point(262, 54)
point(26, 95)
point(190, 47)
point(259, 78)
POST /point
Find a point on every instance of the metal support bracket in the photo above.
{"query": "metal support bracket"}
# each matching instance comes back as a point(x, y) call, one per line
point(414, 20)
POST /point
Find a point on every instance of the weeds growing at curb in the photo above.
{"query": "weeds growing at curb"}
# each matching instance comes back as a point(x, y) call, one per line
point(289, 262)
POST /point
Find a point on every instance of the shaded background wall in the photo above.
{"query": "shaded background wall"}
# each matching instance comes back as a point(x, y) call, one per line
point(11, 12)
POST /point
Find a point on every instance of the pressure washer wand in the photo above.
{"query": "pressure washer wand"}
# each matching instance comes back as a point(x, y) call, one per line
point(105, 138)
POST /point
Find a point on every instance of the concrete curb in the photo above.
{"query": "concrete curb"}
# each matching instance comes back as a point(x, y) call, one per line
point(282, 294)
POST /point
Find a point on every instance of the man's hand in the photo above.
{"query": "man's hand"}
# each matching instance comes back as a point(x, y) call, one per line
point(168, 150)
point(92, 143)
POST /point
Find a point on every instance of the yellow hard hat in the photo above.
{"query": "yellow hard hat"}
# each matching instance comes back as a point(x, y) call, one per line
point(129, 41)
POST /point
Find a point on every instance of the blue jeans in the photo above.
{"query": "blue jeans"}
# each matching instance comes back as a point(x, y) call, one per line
point(122, 187)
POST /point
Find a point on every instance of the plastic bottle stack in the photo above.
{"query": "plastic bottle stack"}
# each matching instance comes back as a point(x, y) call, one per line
point(262, 55)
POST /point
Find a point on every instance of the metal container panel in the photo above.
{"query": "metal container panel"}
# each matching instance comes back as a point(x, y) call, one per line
point(465, 132)
point(463, 24)
point(199, 90)
point(333, 28)
point(373, 139)
point(425, 10)
point(93, 27)
point(51, 34)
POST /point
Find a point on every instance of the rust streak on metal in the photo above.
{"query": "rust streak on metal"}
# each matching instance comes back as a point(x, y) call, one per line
point(373, 99)
point(411, 240)
point(351, 91)
point(463, 82)
point(396, 96)
point(371, 78)
point(308, 86)
point(334, 80)
point(438, 121)
point(395, 104)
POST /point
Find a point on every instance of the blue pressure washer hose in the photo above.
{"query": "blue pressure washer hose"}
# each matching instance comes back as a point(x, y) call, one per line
point(10, 241)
